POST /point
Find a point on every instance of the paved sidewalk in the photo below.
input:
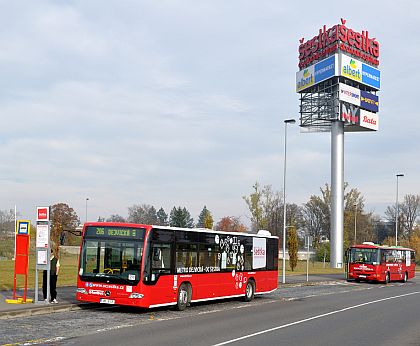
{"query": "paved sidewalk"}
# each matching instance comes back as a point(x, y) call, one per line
point(66, 297)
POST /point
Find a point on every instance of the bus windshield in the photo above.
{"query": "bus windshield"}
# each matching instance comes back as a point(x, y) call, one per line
point(369, 256)
point(107, 257)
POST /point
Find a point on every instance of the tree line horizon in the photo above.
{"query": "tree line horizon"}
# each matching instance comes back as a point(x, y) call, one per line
point(266, 212)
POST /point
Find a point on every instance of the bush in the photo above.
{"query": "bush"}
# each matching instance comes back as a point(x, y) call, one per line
point(321, 250)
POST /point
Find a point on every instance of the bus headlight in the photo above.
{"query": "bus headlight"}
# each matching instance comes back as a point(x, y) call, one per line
point(82, 290)
point(136, 295)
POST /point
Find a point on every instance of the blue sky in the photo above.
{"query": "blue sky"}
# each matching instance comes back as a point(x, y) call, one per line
point(182, 103)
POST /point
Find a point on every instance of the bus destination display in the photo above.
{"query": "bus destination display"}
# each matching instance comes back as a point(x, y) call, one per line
point(117, 232)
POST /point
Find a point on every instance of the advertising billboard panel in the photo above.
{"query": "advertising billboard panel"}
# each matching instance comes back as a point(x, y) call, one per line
point(349, 114)
point(369, 101)
point(317, 73)
point(349, 67)
point(349, 94)
point(325, 69)
point(362, 119)
point(305, 78)
point(356, 70)
point(358, 97)
point(371, 76)
point(369, 120)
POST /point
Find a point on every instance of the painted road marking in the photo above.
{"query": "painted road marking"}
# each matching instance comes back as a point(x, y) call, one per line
point(312, 318)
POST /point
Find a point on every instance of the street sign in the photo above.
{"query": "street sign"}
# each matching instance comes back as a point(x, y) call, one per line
point(42, 255)
point(42, 235)
point(24, 227)
point(42, 213)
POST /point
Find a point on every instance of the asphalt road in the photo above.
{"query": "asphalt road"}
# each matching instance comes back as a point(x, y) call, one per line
point(332, 314)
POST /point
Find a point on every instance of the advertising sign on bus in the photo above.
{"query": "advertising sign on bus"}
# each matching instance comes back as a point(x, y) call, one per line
point(154, 266)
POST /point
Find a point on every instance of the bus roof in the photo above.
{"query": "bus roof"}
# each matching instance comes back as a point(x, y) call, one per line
point(377, 246)
point(200, 230)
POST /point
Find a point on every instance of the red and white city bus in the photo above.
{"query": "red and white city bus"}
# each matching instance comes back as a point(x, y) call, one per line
point(371, 262)
point(152, 266)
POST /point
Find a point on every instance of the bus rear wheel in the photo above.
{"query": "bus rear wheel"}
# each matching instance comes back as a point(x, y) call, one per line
point(183, 297)
point(405, 279)
point(387, 279)
point(249, 291)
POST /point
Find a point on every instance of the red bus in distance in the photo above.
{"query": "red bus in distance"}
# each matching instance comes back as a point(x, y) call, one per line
point(153, 266)
point(381, 263)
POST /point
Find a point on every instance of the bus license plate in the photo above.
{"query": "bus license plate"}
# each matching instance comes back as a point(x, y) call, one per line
point(362, 276)
point(107, 301)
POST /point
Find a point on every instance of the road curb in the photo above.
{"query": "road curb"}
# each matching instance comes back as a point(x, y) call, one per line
point(311, 283)
point(38, 311)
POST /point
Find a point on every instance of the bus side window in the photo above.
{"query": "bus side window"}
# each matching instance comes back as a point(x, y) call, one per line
point(383, 258)
point(161, 260)
point(157, 262)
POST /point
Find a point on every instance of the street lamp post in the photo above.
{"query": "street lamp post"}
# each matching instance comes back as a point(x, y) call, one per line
point(287, 121)
point(86, 210)
point(396, 212)
point(355, 223)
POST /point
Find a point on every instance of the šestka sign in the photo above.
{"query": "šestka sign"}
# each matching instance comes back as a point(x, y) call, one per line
point(338, 38)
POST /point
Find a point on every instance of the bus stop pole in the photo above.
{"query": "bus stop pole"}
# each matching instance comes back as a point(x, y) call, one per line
point(307, 261)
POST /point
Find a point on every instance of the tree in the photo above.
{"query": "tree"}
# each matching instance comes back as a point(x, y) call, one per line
point(317, 216)
point(414, 242)
point(409, 211)
point(143, 213)
point(181, 217)
point(208, 221)
point(323, 252)
point(292, 245)
point(116, 218)
point(205, 219)
point(230, 224)
point(267, 211)
point(63, 218)
point(256, 207)
point(162, 217)
point(7, 223)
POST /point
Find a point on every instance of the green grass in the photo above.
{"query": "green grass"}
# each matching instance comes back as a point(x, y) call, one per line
point(7, 245)
point(67, 275)
point(68, 271)
point(314, 268)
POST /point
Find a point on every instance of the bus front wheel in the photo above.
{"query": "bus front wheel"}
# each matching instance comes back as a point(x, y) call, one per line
point(387, 278)
point(249, 291)
point(183, 297)
point(405, 277)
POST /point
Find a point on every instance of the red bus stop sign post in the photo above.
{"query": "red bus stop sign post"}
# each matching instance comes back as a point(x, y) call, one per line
point(21, 261)
point(42, 255)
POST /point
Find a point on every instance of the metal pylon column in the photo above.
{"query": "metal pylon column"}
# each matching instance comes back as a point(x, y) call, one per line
point(337, 193)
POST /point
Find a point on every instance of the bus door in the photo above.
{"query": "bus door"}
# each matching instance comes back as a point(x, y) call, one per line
point(157, 274)
point(347, 262)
